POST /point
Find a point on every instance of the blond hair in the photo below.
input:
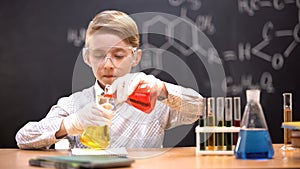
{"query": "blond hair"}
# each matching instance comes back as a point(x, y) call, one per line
point(116, 22)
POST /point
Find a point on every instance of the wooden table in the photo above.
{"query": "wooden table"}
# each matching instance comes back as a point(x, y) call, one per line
point(180, 157)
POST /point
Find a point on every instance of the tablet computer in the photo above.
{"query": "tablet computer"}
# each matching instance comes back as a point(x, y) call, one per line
point(83, 161)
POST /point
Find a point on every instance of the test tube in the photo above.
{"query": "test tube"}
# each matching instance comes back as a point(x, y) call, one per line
point(228, 122)
point(287, 116)
point(220, 122)
point(211, 123)
point(237, 116)
point(202, 121)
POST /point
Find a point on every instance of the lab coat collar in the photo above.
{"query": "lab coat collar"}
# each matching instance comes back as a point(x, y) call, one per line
point(98, 89)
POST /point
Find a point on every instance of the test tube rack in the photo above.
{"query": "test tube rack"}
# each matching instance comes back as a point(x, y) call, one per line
point(214, 129)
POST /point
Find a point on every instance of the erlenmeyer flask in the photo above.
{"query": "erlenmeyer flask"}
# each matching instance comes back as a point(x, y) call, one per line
point(98, 137)
point(254, 140)
point(143, 98)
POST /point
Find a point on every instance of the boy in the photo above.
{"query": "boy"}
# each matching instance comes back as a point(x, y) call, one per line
point(111, 50)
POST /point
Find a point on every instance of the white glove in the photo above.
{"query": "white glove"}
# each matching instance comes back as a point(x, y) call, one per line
point(125, 85)
point(89, 115)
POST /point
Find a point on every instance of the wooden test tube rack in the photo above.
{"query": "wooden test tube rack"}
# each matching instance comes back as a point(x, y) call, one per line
point(214, 129)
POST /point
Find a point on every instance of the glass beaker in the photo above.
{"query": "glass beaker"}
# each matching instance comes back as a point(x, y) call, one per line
point(98, 137)
point(254, 140)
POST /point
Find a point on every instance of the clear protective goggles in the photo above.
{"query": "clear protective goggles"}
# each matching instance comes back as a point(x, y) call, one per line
point(116, 54)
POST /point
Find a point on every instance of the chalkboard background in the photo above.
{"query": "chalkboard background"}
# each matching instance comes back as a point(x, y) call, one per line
point(256, 42)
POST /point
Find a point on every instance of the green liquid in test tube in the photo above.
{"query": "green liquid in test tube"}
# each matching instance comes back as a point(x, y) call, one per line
point(228, 122)
point(220, 122)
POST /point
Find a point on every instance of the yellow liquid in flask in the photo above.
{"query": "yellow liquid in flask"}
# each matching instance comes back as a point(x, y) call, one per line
point(96, 137)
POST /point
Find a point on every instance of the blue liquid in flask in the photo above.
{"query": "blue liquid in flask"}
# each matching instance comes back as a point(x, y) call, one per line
point(254, 144)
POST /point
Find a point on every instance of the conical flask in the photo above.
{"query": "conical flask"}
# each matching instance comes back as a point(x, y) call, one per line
point(254, 140)
point(98, 137)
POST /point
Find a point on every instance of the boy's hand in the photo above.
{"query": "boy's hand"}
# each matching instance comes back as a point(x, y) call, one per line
point(90, 115)
point(126, 85)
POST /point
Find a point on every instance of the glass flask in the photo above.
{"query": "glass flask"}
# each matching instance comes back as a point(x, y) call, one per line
point(143, 98)
point(254, 140)
point(98, 137)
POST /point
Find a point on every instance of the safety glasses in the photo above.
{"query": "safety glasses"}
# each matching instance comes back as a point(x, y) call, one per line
point(116, 54)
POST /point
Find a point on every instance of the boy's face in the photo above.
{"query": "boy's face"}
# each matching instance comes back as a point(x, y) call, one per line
point(110, 57)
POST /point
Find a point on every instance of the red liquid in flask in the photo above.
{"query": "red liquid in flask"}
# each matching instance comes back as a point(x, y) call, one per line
point(143, 98)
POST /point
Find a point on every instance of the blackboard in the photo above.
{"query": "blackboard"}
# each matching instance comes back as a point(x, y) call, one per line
point(252, 43)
